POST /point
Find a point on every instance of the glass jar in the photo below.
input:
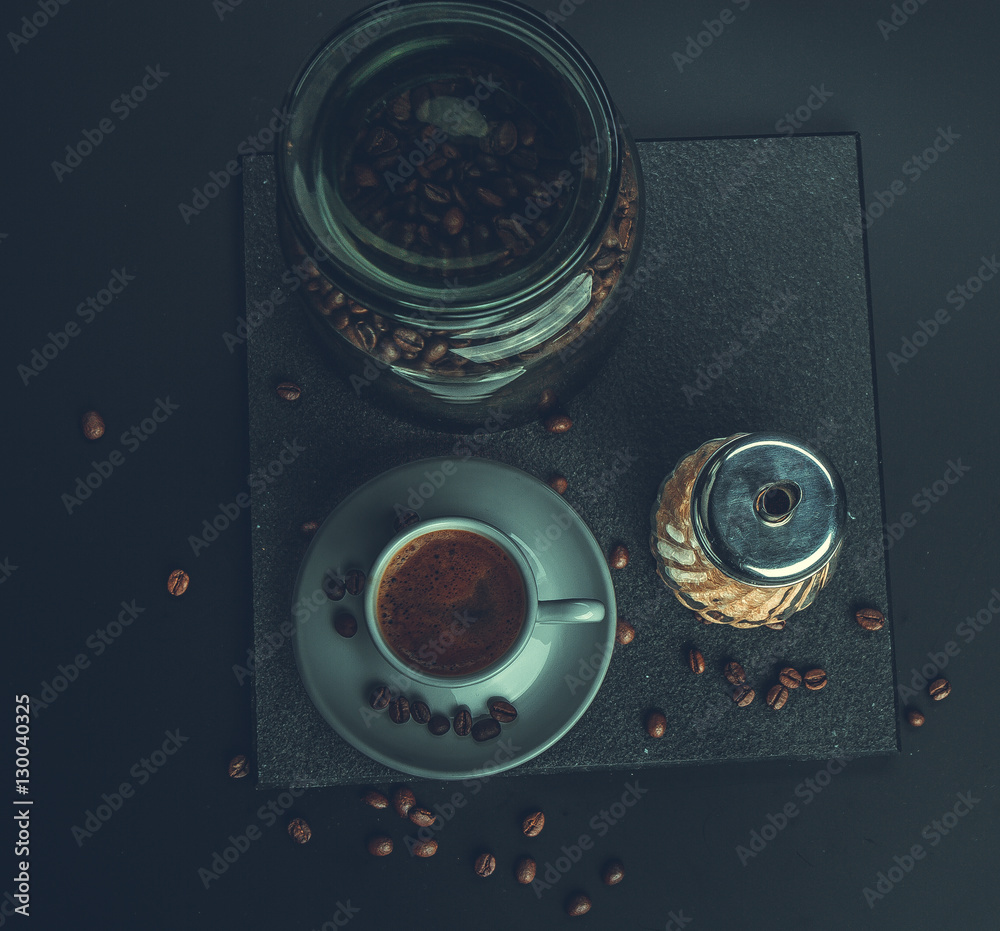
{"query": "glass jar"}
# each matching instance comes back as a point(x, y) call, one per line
point(457, 188)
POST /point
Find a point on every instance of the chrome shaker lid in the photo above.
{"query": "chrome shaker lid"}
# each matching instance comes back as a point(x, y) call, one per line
point(768, 510)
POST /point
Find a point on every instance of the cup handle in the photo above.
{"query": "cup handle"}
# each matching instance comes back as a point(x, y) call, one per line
point(570, 611)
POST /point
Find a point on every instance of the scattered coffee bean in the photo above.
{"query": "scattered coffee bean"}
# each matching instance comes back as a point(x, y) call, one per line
point(815, 679)
point(486, 729)
point(501, 710)
point(333, 586)
point(178, 582)
point(915, 718)
point(399, 710)
point(624, 632)
point(870, 618)
point(777, 695)
point(486, 863)
point(405, 519)
point(425, 848)
point(619, 557)
point(420, 712)
point(790, 678)
point(743, 695)
point(93, 425)
point(533, 824)
point(289, 391)
point(345, 624)
point(614, 873)
point(735, 673)
point(310, 527)
point(559, 423)
point(238, 767)
point(354, 581)
point(375, 799)
point(524, 871)
point(656, 724)
point(422, 817)
point(559, 484)
point(463, 723)
point(299, 830)
point(380, 846)
point(380, 698)
point(939, 689)
point(578, 905)
point(438, 725)
point(403, 800)
point(696, 661)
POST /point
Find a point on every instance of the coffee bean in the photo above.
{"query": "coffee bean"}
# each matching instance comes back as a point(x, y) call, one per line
point(743, 695)
point(656, 724)
point(178, 582)
point(619, 557)
point(354, 581)
point(405, 519)
point(614, 873)
point(422, 817)
point(289, 391)
point(486, 863)
point(438, 725)
point(375, 799)
point(420, 712)
point(400, 107)
point(408, 340)
point(559, 484)
point(915, 718)
point(309, 527)
point(558, 423)
point(696, 661)
point(299, 831)
point(380, 698)
point(425, 848)
point(870, 618)
point(533, 823)
point(501, 710)
point(578, 905)
point(463, 723)
point(364, 177)
point(815, 679)
point(345, 624)
point(380, 845)
point(734, 673)
point(435, 350)
point(93, 425)
point(333, 586)
point(403, 800)
point(238, 767)
point(624, 632)
point(486, 729)
point(453, 221)
point(790, 678)
point(524, 871)
point(399, 710)
point(777, 695)
point(381, 141)
point(939, 689)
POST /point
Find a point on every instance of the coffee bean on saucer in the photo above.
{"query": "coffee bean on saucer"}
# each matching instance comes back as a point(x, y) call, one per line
point(743, 695)
point(578, 905)
point(425, 848)
point(815, 679)
point(420, 712)
point(178, 582)
point(345, 624)
point(309, 527)
point(438, 725)
point(870, 618)
point(238, 767)
point(93, 425)
point(619, 557)
point(790, 678)
point(656, 724)
point(734, 673)
point(624, 632)
point(354, 581)
point(405, 519)
point(533, 824)
point(375, 799)
point(380, 698)
point(403, 800)
point(380, 846)
point(463, 723)
point(486, 863)
point(558, 423)
point(939, 689)
point(486, 729)
point(422, 817)
point(915, 718)
point(299, 830)
point(696, 661)
point(399, 710)
point(289, 391)
point(614, 872)
point(777, 695)
point(524, 870)
point(333, 587)
point(559, 484)
point(501, 710)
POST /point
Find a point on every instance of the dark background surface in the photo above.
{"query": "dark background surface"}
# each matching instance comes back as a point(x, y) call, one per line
point(171, 670)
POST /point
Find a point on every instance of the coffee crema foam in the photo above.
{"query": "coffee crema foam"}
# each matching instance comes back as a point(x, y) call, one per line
point(450, 602)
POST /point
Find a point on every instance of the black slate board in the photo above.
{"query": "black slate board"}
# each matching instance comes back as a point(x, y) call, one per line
point(764, 281)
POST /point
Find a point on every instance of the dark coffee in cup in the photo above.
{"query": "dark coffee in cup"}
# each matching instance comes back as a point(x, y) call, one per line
point(450, 602)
